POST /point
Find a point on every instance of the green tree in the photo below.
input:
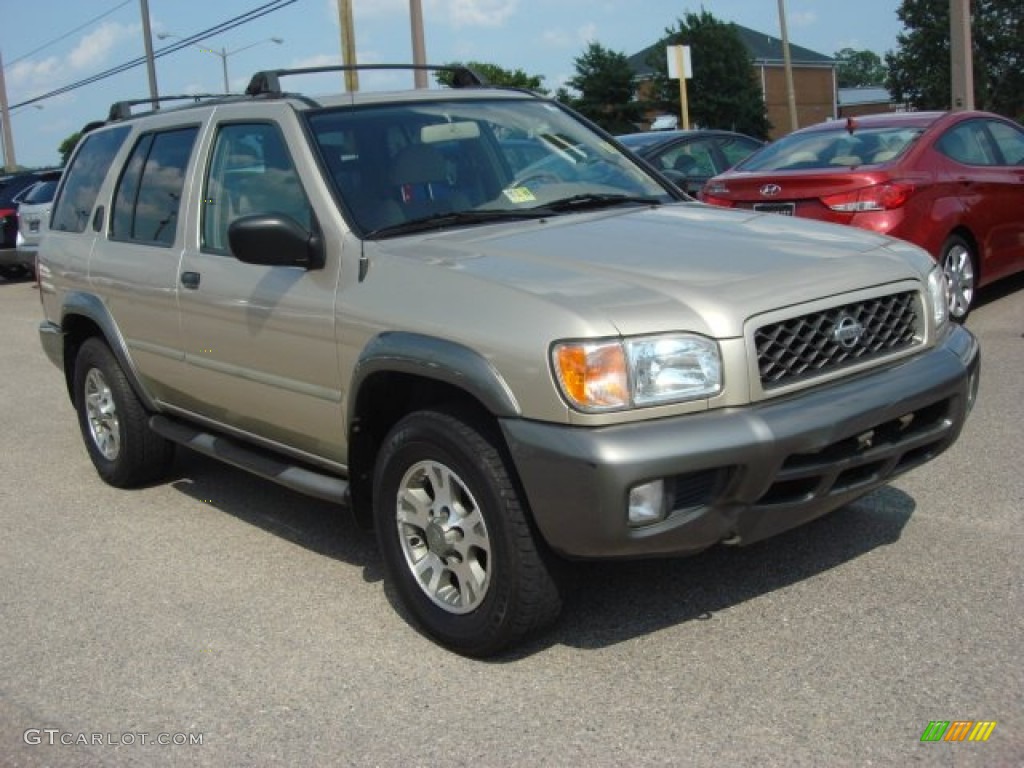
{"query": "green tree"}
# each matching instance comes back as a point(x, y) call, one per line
point(859, 68)
point(68, 146)
point(496, 75)
point(919, 70)
point(723, 92)
point(605, 83)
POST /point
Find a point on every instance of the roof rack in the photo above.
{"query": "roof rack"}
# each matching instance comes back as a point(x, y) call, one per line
point(268, 82)
point(122, 110)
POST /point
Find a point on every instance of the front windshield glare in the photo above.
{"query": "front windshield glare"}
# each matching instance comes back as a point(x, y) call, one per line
point(399, 163)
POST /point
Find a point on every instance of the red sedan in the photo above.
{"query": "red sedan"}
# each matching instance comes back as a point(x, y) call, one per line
point(951, 182)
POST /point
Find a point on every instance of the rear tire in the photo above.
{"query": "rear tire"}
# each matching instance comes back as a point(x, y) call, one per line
point(454, 536)
point(114, 424)
point(960, 266)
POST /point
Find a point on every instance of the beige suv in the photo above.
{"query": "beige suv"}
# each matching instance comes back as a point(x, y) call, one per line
point(369, 299)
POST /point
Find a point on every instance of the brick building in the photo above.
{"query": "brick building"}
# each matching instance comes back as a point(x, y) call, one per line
point(814, 79)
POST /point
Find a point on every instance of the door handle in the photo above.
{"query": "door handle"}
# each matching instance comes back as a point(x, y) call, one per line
point(190, 280)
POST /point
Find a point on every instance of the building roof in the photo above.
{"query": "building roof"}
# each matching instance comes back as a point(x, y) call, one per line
point(763, 49)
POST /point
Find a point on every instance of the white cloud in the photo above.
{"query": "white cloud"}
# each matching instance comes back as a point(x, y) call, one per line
point(95, 47)
point(555, 38)
point(34, 75)
point(802, 19)
point(587, 33)
point(317, 60)
point(481, 13)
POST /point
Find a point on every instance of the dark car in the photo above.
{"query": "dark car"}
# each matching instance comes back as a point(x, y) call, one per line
point(690, 158)
point(950, 182)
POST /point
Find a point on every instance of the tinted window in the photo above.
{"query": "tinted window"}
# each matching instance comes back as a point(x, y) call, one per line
point(148, 196)
point(250, 173)
point(41, 193)
point(833, 148)
point(736, 148)
point(1010, 140)
point(84, 177)
point(968, 143)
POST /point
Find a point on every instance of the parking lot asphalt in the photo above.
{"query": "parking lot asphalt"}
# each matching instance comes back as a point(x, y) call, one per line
point(220, 608)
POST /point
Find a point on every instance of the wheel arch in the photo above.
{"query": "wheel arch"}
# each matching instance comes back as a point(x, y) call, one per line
point(962, 230)
point(84, 316)
point(401, 372)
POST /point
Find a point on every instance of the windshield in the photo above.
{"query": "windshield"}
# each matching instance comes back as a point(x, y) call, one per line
point(833, 149)
point(393, 164)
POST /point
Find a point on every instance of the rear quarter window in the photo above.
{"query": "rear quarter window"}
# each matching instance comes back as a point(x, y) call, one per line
point(84, 177)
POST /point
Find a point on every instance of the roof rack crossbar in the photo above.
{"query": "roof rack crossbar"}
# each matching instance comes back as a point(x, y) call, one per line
point(122, 110)
point(268, 82)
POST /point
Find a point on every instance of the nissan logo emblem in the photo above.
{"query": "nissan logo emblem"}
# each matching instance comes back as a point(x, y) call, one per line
point(847, 332)
point(770, 190)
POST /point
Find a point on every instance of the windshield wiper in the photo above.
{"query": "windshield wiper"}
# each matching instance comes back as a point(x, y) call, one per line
point(455, 218)
point(594, 200)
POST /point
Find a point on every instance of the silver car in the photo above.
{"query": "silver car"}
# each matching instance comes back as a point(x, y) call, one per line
point(33, 218)
point(369, 298)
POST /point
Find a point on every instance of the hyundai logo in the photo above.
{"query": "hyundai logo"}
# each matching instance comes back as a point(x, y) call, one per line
point(770, 190)
point(847, 332)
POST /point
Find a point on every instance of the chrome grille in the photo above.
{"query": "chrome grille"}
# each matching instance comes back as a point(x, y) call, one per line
point(821, 342)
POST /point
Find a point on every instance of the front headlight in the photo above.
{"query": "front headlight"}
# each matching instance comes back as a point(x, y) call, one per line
point(651, 370)
point(937, 296)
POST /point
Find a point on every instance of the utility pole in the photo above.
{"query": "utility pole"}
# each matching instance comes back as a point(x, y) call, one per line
point(10, 164)
point(348, 44)
point(961, 60)
point(787, 65)
point(419, 51)
point(154, 94)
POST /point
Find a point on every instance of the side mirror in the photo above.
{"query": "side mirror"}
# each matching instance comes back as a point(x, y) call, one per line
point(275, 240)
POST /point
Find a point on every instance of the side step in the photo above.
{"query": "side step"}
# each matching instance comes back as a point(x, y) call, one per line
point(262, 463)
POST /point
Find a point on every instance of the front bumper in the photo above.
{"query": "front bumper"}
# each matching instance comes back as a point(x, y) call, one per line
point(747, 473)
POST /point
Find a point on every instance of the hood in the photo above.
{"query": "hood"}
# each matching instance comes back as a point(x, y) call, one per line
point(686, 266)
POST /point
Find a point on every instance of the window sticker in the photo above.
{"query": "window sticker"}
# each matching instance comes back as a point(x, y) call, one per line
point(519, 195)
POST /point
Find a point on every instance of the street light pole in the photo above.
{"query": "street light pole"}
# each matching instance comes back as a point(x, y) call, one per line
point(10, 164)
point(147, 37)
point(787, 65)
point(223, 53)
point(962, 64)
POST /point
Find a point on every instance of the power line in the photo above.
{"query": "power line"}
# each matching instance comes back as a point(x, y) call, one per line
point(224, 26)
point(56, 40)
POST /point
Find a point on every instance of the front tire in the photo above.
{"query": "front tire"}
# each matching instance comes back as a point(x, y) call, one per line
point(114, 424)
point(959, 264)
point(454, 536)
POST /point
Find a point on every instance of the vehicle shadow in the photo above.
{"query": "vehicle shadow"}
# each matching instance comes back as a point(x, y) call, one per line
point(612, 602)
point(999, 290)
point(319, 526)
point(605, 602)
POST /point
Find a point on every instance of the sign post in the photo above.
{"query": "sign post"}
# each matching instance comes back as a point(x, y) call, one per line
point(680, 68)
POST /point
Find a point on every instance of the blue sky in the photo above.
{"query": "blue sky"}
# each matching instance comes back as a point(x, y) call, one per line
point(541, 37)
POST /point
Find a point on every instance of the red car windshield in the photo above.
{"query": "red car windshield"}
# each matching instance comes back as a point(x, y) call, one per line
point(839, 148)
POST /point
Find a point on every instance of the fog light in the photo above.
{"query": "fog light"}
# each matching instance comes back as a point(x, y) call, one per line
point(647, 503)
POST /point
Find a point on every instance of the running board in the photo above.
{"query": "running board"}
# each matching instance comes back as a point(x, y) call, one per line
point(262, 463)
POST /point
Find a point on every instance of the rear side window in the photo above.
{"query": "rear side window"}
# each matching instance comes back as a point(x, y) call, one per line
point(84, 177)
point(41, 193)
point(967, 143)
point(1010, 141)
point(148, 196)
